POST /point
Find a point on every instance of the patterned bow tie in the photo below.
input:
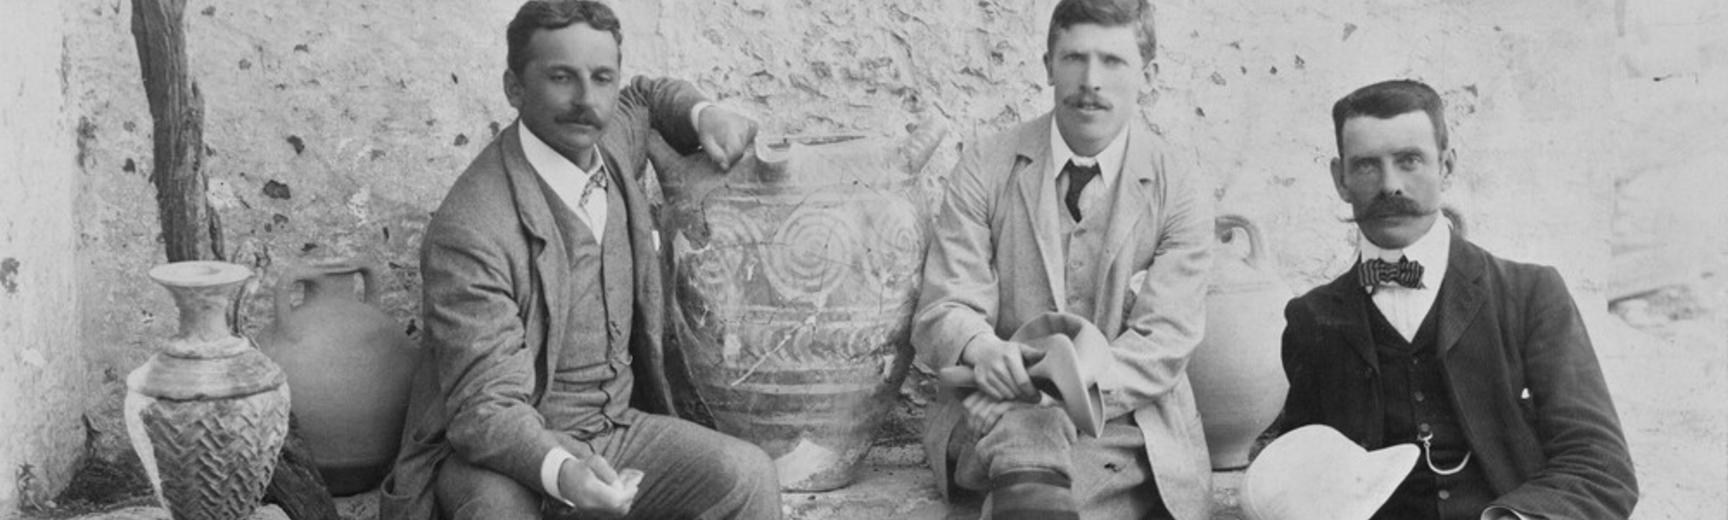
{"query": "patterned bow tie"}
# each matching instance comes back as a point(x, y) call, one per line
point(1375, 272)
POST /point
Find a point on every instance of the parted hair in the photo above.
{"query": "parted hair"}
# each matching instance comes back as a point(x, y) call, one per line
point(1108, 13)
point(1388, 99)
point(537, 15)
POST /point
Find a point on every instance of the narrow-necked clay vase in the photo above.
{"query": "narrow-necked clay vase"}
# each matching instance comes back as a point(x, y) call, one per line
point(1237, 373)
point(349, 364)
point(208, 413)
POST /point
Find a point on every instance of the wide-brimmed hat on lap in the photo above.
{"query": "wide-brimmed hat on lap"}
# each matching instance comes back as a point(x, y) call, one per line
point(1071, 354)
point(1313, 473)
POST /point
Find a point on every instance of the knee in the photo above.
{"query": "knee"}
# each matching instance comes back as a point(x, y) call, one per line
point(751, 469)
point(467, 492)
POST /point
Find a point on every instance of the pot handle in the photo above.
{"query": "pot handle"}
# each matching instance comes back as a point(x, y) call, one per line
point(1229, 222)
point(369, 279)
point(285, 288)
point(237, 307)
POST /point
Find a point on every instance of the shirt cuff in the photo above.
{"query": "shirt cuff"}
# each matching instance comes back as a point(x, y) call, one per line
point(549, 467)
point(696, 114)
point(1498, 512)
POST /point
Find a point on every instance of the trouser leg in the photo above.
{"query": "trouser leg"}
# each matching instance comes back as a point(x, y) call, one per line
point(467, 492)
point(693, 472)
point(1108, 476)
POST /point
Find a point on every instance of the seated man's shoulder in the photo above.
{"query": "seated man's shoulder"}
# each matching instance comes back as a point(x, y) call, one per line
point(1017, 140)
point(481, 196)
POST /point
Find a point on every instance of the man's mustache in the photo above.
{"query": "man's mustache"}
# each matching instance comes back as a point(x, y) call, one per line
point(1086, 100)
point(1389, 205)
point(581, 116)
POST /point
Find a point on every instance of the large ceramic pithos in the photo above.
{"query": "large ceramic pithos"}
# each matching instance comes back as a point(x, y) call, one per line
point(1237, 372)
point(794, 279)
point(209, 412)
point(349, 364)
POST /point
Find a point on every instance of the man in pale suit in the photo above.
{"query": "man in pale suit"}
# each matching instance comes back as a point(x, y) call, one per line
point(1079, 211)
point(543, 305)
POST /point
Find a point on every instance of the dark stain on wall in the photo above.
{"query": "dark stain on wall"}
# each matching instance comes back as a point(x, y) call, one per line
point(9, 275)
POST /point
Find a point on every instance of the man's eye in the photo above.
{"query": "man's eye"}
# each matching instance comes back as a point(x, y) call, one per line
point(1409, 161)
point(559, 78)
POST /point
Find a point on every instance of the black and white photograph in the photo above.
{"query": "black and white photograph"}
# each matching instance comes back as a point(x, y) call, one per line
point(834, 260)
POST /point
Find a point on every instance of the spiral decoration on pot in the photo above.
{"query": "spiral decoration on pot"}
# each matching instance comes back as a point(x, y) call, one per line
point(812, 252)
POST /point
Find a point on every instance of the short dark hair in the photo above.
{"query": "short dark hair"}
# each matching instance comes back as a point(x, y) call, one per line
point(1389, 99)
point(537, 15)
point(1108, 13)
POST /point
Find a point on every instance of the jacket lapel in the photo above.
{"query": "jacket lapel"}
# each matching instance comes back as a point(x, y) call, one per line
point(1460, 294)
point(1347, 316)
point(1133, 198)
point(1038, 195)
point(545, 246)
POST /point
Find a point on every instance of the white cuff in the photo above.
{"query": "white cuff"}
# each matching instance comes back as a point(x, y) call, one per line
point(549, 468)
point(696, 114)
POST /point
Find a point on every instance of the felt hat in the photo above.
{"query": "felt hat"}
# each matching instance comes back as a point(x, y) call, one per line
point(1069, 355)
point(1314, 472)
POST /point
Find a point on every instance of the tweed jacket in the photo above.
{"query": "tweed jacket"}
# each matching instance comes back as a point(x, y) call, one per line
point(996, 261)
point(1528, 392)
point(493, 269)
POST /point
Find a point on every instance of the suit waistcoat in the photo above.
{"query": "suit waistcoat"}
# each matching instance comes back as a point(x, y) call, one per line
point(591, 379)
point(1083, 251)
point(1415, 399)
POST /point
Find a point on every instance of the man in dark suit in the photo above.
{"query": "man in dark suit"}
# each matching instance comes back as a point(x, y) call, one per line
point(1079, 211)
point(1482, 363)
point(543, 306)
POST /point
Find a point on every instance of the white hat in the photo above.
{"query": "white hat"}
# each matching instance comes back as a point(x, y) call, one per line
point(1314, 473)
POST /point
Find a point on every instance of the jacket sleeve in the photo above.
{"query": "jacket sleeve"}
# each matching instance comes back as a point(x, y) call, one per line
point(1588, 474)
point(1297, 346)
point(484, 365)
point(958, 302)
point(1169, 315)
point(660, 105)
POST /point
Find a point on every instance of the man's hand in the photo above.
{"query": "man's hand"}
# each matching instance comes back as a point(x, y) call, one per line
point(725, 135)
point(1000, 369)
point(594, 489)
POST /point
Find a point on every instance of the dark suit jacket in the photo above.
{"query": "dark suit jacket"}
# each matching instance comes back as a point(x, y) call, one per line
point(1507, 328)
point(493, 269)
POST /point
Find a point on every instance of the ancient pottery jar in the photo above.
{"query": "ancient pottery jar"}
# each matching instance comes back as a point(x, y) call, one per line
point(1237, 373)
point(349, 364)
point(794, 279)
point(208, 413)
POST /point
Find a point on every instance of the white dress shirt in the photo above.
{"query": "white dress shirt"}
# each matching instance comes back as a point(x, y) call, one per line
point(1109, 167)
point(1402, 306)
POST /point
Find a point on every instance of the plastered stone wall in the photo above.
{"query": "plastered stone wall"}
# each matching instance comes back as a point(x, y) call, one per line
point(42, 371)
point(333, 128)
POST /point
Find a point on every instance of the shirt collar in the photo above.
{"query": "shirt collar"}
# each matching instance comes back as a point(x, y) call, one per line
point(1432, 250)
point(553, 165)
point(1109, 161)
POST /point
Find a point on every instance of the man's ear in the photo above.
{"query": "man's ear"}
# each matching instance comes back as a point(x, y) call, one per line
point(1338, 178)
point(1448, 162)
point(513, 88)
point(1049, 71)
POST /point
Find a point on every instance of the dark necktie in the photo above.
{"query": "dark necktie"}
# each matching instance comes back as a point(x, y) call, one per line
point(1375, 272)
point(1078, 176)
